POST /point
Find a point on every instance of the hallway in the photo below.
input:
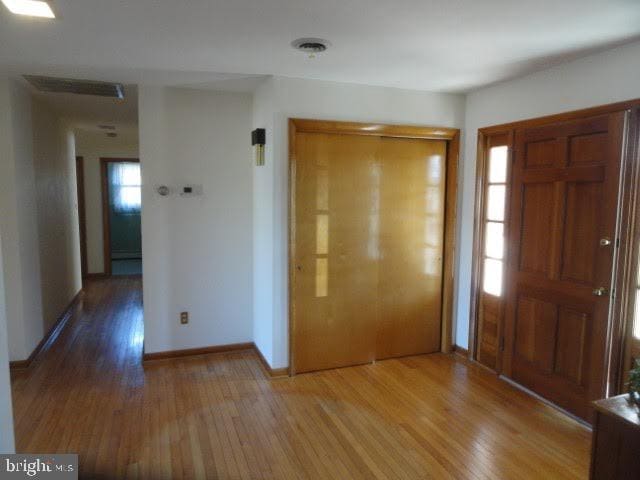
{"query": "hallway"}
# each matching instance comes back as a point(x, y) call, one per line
point(220, 416)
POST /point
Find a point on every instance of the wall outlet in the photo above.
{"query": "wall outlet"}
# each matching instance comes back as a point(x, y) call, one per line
point(184, 318)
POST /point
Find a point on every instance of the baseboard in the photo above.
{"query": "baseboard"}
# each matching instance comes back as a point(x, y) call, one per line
point(49, 337)
point(104, 276)
point(126, 256)
point(463, 352)
point(20, 364)
point(273, 372)
point(95, 276)
point(233, 347)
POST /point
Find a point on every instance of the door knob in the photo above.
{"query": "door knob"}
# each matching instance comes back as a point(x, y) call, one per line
point(600, 291)
point(605, 242)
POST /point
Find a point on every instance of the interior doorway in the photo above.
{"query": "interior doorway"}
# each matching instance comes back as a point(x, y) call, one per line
point(121, 216)
point(371, 225)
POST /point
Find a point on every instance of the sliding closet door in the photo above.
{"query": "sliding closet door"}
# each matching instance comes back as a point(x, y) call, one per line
point(336, 266)
point(410, 246)
point(367, 228)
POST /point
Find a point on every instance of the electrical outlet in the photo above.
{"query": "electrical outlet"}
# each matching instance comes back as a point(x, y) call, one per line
point(184, 318)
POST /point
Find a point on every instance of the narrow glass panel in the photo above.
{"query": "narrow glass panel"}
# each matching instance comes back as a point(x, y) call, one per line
point(322, 277)
point(495, 203)
point(494, 240)
point(492, 281)
point(498, 165)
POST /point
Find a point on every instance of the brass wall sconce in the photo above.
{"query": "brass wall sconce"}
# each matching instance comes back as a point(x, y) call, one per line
point(258, 137)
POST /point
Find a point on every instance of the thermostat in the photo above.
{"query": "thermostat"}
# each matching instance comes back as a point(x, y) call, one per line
point(190, 190)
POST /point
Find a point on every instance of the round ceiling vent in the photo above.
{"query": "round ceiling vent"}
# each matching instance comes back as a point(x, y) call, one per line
point(310, 45)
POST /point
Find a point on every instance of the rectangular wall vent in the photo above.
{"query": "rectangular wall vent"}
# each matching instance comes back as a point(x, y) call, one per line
point(80, 87)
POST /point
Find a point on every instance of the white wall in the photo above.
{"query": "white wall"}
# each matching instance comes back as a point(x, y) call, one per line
point(197, 252)
point(57, 207)
point(599, 79)
point(276, 101)
point(18, 222)
point(264, 99)
point(92, 146)
point(38, 217)
point(6, 412)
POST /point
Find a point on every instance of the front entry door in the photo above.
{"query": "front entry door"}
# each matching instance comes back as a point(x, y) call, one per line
point(561, 241)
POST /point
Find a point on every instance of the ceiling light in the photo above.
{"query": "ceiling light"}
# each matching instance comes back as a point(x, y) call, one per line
point(31, 8)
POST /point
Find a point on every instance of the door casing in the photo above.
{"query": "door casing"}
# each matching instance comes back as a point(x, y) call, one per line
point(82, 222)
point(451, 135)
point(106, 224)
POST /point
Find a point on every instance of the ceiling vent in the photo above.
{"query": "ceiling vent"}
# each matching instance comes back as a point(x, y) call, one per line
point(79, 87)
point(310, 45)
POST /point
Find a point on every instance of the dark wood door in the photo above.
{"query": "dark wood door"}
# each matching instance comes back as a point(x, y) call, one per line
point(561, 241)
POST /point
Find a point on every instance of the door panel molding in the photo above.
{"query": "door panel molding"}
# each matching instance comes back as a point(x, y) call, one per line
point(530, 228)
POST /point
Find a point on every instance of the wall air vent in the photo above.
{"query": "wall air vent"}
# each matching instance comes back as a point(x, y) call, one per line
point(79, 87)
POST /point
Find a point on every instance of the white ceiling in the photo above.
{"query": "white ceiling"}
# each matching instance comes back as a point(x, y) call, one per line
point(440, 45)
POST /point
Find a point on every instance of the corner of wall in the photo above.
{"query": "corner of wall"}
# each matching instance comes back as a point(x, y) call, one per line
point(7, 444)
point(22, 260)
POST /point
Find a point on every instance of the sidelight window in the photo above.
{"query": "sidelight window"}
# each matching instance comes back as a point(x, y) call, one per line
point(494, 221)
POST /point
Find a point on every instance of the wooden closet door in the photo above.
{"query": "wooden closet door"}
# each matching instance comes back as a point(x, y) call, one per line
point(368, 220)
point(563, 206)
point(411, 242)
point(335, 309)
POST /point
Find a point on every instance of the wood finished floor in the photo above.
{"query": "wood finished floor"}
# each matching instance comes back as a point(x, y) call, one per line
point(220, 416)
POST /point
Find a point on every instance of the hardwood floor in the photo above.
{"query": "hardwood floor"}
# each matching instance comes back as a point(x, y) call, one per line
point(220, 416)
